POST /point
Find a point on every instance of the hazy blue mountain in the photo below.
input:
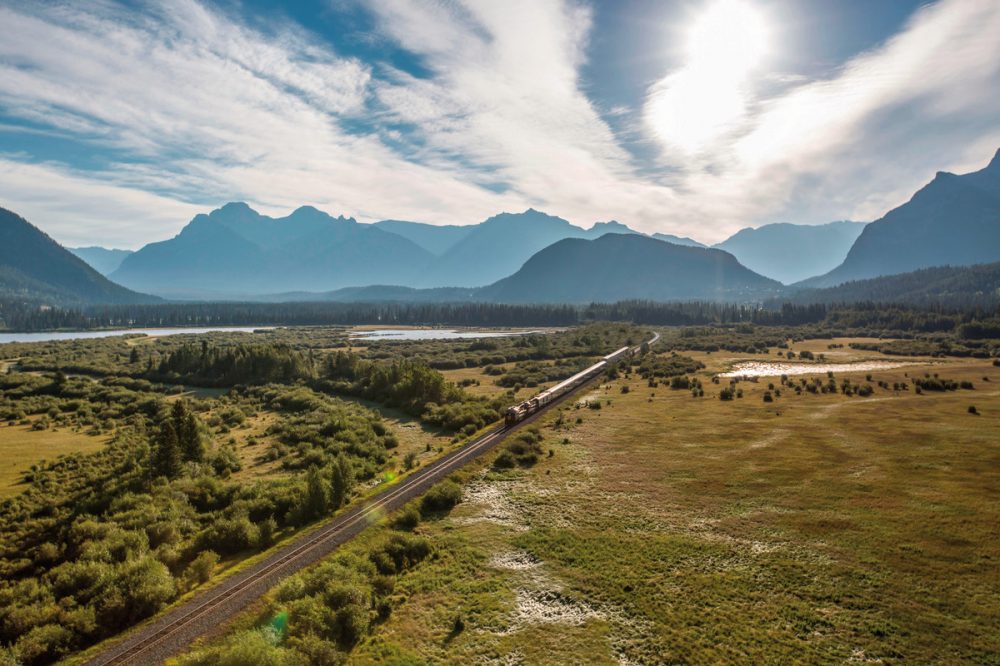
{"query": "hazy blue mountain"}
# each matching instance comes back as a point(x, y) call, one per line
point(678, 240)
point(792, 252)
point(496, 248)
point(235, 251)
point(434, 239)
point(609, 227)
point(500, 245)
point(949, 285)
point(35, 267)
point(953, 220)
point(618, 267)
point(103, 260)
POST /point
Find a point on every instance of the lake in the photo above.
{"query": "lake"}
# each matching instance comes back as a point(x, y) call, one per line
point(155, 332)
point(409, 334)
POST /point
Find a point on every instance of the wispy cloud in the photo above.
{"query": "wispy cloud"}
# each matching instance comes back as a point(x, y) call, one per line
point(185, 106)
point(860, 142)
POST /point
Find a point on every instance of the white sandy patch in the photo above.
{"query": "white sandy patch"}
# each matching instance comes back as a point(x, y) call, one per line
point(515, 560)
point(492, 499)
point(776, 368)
point(549, 607)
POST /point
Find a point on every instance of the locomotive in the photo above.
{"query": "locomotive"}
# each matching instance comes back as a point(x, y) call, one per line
point(520, 411)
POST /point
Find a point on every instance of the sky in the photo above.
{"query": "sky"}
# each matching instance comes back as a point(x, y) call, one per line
point(119, 121)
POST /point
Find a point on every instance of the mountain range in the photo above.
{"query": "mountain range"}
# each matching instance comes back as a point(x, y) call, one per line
point(103, 260)
point(35, 267)
point(617, 267)
point(235, 252)
point(792, 252)
point(953, 220)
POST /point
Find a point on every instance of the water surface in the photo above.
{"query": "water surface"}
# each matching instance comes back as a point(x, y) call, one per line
point(431, 334)
point(155, 332)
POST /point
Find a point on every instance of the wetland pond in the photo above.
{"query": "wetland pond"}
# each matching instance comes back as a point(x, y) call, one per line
point(777, 368)
point(409, 334)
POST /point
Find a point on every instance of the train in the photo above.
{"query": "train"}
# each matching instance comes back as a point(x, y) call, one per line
point(522, 410)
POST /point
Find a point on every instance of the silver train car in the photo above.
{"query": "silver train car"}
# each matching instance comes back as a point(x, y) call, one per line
point(521, 410)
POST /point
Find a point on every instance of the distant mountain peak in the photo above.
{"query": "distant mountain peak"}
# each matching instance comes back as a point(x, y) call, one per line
point(611, 226)
point(994, 164)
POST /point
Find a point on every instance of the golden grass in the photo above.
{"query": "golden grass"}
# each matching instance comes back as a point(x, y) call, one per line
point(814, 529)
point(21, 447)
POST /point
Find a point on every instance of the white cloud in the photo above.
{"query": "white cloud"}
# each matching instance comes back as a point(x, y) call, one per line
point(217, 112)
point(87, 209)
point(186, 107)
point(862, 141)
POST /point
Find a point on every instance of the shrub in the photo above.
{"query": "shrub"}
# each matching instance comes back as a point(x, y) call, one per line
point(441, 497)
point(505, 460)
point(972, 409)
point(201, 568)
point(399, 552)
point(768, 397)
point(408, 518)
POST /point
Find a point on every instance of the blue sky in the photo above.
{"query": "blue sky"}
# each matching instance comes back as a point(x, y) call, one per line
point(121, 120)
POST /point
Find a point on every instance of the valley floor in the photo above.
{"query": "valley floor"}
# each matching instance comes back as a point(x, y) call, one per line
point(670, 529)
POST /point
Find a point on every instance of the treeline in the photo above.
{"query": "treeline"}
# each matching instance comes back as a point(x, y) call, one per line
point(15, 316)
point(208, 365)
point(974, 322)
point(958, 286)
point(407, 384)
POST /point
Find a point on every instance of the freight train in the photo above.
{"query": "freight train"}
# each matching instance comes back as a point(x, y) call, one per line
point(521, 411)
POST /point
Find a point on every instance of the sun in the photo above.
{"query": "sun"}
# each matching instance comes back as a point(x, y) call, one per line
point(706, 98)
point(728, 40)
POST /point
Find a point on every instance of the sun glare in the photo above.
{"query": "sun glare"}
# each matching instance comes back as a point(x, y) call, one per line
point(707, 96)
point(728, 40)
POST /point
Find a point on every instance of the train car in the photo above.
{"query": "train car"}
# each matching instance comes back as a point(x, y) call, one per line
point(520, 411)
point(616, 355)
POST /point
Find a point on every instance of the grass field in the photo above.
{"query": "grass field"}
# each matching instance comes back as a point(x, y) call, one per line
point(671, 529)
point(21, 447)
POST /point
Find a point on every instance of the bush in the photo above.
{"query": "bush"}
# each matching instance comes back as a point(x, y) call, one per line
point(399, 553)
point(768, 397)
point(201, 568)
point(408, 518)
point(441, 497)
point(973, 410)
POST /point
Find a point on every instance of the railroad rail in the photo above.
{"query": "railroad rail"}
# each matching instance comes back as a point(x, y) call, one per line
point(177, 628)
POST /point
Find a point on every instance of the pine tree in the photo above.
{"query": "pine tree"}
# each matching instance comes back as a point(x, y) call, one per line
point(317, 494)
point(167, 452)
point(188, 434)
point(341, 481)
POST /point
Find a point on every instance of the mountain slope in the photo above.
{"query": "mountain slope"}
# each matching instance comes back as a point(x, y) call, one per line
point(953, 220)
point(102, 260)
point(954, 286)
point(678, 240)
point(434, 239)
point(619, 267)
point(35, 267)
point(235, 251)
point(792, 252)
point(496, 248)
point(500, 245)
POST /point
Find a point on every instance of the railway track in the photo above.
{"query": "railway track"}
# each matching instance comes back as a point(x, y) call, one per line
point(179, 627)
